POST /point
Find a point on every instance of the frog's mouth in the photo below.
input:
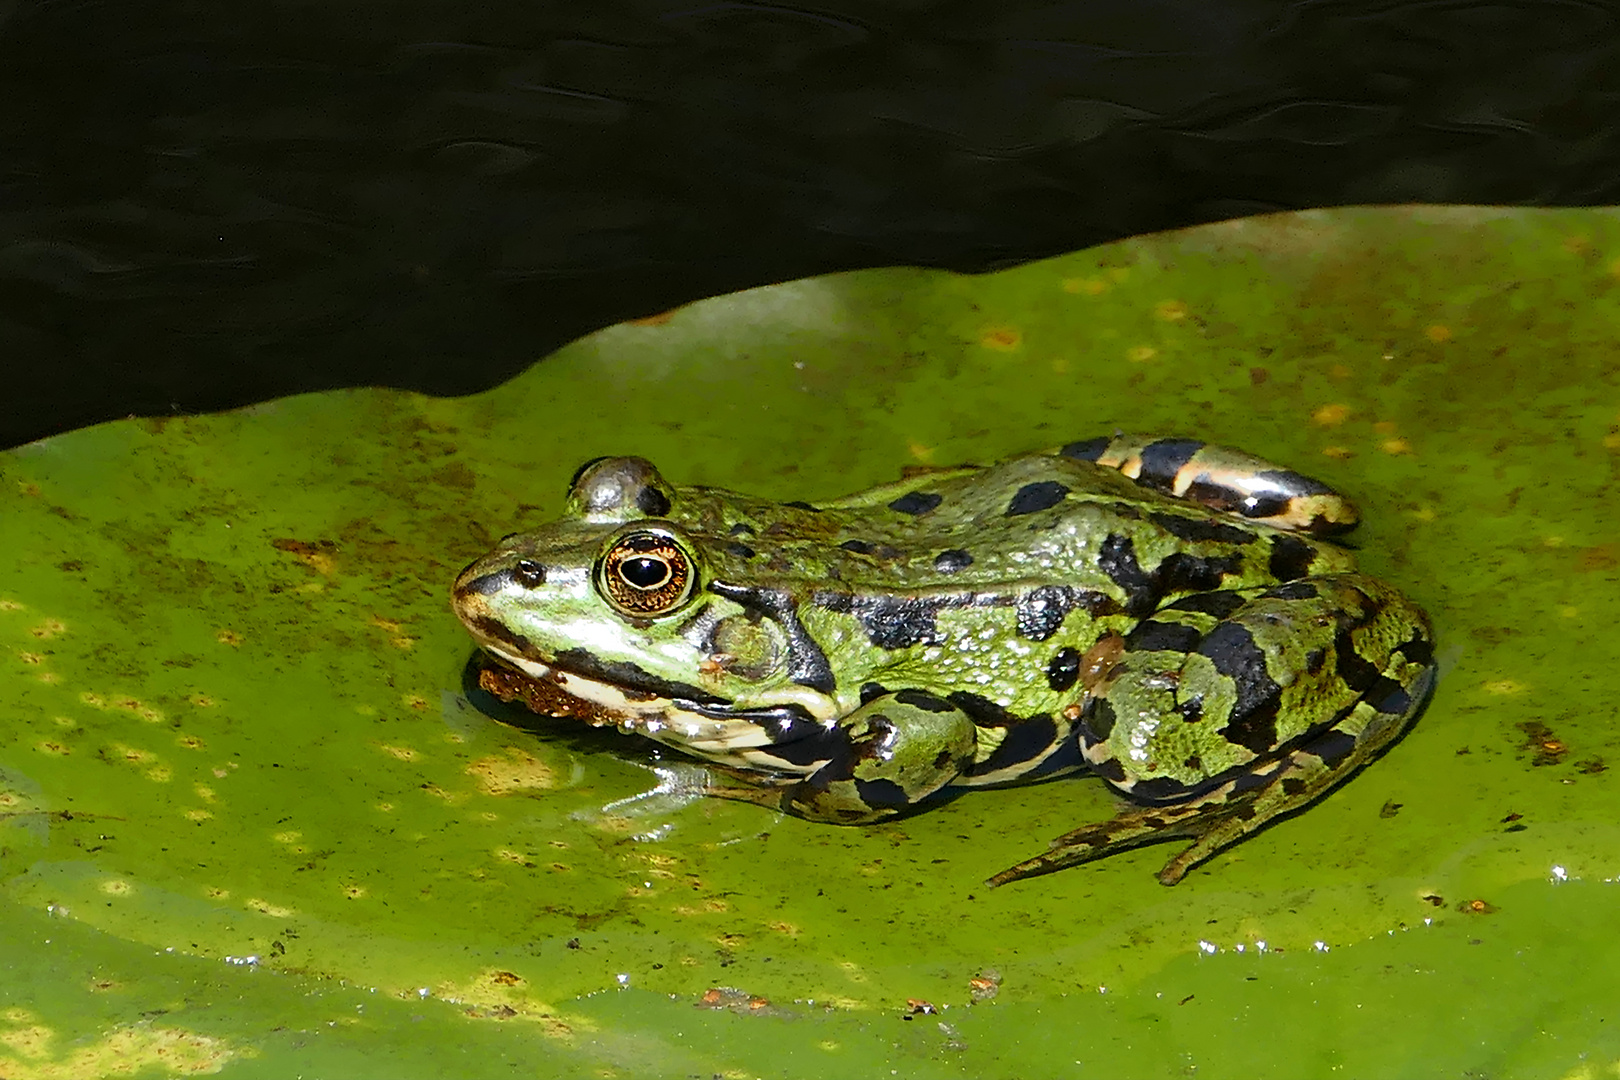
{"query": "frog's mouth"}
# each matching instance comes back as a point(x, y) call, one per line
point(638, 702)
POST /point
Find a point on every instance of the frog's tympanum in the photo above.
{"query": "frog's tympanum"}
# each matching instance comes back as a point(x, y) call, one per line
point(1171, 616)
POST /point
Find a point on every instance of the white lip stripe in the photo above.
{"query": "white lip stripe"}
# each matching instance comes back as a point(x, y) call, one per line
point(721, 741)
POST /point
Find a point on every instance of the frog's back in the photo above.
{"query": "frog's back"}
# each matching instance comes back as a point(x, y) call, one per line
point(1040, 520)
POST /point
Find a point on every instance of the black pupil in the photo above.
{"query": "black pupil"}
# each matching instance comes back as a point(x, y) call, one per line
point(644, 572)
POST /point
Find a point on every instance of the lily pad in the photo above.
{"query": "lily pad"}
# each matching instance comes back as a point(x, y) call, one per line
point(251, 822)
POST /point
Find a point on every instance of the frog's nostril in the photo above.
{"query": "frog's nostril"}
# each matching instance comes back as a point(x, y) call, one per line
point(529, 574)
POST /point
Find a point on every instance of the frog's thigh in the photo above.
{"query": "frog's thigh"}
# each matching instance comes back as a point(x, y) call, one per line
point(896, 750)
point(1234, 720)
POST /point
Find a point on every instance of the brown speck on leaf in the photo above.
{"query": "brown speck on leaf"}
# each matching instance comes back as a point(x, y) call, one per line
point(1390, 809)
point(984, 986)
point(1477, 907)
point(1545, 747)
point(1434, 899)
point(1591, 766)
point(919, 1007)
point(1597, 557)
point(1258, 376)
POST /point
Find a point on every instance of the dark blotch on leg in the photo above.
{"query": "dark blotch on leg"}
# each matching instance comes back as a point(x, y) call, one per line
point(1159, 789)
point(981, 710)
point(1358, 673)
point(1097, 720)
point(921, 699)
point(1162, 460)
point(952, 560)
point(882, 793)
point(1233, 651)
point(1333, 747)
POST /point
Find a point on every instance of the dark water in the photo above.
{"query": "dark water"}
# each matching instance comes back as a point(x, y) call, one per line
point(205, 204)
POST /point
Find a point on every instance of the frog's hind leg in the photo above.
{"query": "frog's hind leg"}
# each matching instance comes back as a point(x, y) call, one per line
point(878, 762)
point(1238, 807)
point(1348, 659)
point(1223, 479)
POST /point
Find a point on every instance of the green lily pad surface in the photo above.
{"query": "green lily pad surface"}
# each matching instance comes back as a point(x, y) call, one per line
point(250, 822)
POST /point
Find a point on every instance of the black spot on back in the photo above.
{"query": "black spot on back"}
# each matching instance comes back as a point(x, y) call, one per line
point(952, 560)
point(1181, 572)
point(1219, 604)
point(1034, 497)
point(1117, 558)
point(800, 504)
point(1064, 669)
point(741, 529)
point(859, 547)
point(1152, 636)
point(1197, 529)
point(741, 551)
point(1291, 558)
point(916, 502)
point(1041, 610)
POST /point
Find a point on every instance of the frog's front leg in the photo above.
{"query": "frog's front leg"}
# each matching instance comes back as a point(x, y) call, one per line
point(879, 761)
point(1228, 709)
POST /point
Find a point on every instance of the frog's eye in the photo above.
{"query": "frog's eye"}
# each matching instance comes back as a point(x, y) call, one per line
point(645, 574)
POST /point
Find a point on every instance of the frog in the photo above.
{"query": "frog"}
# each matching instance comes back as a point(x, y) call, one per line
point(1181, 619)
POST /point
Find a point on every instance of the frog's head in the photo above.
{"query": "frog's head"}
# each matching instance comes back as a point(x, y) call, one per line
point(619, 603)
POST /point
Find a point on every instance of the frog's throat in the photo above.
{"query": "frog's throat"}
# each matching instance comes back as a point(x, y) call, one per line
point(713, 728)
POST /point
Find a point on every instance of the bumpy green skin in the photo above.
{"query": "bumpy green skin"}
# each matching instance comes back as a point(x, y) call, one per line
point(1162, 613)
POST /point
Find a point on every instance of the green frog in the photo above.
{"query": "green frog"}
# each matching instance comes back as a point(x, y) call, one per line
point(1172, 616)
